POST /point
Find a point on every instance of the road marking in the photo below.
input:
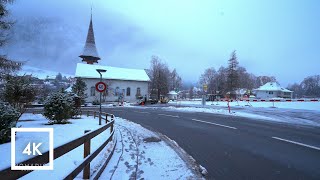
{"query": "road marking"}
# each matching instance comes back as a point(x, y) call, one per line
point(214, 124)
point(142, 112)
point(168, 115)
point(297, 143)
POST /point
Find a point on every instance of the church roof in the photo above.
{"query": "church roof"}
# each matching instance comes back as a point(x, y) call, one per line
point(90, 49)
point(115, 73)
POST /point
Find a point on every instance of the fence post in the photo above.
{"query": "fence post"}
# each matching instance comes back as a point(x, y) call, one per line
point(111, 128)
point(86, 152)
point(87, 113)
point(94, 114)
point(106, 118)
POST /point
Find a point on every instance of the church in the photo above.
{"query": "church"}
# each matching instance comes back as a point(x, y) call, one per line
point(127, 85)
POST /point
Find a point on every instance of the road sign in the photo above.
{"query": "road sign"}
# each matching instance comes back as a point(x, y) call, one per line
point(101, 86)
point(205, 87)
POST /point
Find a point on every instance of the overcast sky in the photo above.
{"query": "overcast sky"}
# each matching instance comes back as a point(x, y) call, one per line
point(275, 38)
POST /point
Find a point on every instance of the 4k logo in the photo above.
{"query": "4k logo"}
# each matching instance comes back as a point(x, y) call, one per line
point(32, 148)
point(35, 149)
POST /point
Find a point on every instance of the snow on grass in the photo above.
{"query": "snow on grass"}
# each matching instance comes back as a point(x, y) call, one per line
point(62, 134)
point(285, 105)
point(274, 116)
point(141, 154)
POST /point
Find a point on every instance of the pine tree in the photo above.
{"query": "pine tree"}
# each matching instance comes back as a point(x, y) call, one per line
point(6, 65)
point(8, 120)
point(18, 91)
point(233, 78)
point(79, 88)
point(59, 107)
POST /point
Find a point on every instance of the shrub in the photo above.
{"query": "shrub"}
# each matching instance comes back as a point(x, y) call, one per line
point(8, 120)
point(59, 107)
point(95, 102)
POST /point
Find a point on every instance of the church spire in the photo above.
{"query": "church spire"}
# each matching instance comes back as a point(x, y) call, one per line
point(90, 53)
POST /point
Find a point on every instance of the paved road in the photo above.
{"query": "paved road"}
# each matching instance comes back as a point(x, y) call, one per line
point(235, 147)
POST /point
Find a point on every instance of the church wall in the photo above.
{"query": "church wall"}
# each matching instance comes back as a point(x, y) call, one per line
point(113, 94)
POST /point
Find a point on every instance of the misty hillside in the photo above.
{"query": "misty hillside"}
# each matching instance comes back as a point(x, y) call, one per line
point(45, 42)
point(40, 73)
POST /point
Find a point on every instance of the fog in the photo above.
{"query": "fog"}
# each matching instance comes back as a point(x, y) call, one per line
point(271, 38)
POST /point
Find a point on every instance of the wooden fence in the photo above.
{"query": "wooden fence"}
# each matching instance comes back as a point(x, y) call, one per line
point(65, 148)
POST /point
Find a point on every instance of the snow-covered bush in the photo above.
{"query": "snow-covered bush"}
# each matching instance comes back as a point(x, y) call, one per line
point(59, 107)
point(8, 120)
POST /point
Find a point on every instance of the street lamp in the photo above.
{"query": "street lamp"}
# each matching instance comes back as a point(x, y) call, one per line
point(100, 71)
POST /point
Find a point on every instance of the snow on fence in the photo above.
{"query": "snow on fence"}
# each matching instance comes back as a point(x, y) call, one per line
point(65, 148)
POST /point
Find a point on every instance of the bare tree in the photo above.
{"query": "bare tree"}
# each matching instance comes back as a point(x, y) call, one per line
point(175, 81)
point(159, 75)
point(209, 77)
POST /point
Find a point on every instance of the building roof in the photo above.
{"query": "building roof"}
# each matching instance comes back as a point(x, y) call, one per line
point(90, 49)
point(89, 71)
point(272, 86)
point(172, 93)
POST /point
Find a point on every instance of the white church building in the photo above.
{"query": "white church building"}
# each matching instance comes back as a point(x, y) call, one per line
point(128, 84)
point(123, 84)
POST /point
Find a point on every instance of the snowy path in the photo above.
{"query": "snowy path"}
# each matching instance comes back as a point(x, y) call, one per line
point(141, 154)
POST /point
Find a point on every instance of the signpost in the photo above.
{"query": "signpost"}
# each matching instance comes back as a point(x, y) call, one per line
point(100, 87)
point(205, 88)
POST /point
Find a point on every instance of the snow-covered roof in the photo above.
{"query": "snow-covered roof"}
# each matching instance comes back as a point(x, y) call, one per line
point(272, 86)
point(172, 93)
point(89, 71)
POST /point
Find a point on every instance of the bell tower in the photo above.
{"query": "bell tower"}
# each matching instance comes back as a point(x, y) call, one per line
point(90, 53)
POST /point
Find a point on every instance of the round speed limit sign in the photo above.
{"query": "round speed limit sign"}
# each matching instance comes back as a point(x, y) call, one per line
point(101, 86)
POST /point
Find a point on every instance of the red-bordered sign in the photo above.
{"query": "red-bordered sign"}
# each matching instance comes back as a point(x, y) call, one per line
point(101, 86)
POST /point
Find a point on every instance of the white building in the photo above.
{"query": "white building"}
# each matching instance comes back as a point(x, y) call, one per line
point(172, 95)
point(272, 90)
point(128, 85)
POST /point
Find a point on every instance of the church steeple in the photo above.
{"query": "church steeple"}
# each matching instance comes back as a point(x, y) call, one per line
point(90, 53)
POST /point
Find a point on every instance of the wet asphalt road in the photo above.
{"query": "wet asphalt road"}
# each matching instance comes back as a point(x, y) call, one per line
point(231, 147)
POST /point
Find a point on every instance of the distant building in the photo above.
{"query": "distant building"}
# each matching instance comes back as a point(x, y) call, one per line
point(172, 95)
point(123, 84)
point(272, 90)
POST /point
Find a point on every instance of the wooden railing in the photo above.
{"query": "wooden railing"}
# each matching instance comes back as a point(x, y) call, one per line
point(65, 148)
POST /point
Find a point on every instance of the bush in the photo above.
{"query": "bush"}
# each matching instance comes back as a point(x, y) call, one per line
point(95, 102)
point(59, 107)
point(8, 120)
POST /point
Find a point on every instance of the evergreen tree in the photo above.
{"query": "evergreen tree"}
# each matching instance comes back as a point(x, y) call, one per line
point(79, 88)
point(18, 91)
point(59, 107)
point(6, 65)
point(8, 120)
point(233, 77)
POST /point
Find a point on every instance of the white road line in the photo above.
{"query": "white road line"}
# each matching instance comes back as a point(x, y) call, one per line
point(168, 115)
point(297, 143)
point(142, 112)
point(214, 124)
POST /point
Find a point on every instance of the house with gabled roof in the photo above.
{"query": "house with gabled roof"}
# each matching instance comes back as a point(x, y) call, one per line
point(272, 90)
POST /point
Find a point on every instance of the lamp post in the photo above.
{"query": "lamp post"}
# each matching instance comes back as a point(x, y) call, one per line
point(100, 71)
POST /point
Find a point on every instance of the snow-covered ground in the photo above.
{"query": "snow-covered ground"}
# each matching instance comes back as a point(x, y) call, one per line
point(298, 113)
point(286, 105)
point(142, 154)
point(62, 134)
point(133, 157)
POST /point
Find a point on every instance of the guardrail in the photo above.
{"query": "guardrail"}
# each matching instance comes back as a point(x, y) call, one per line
point(65, 148)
